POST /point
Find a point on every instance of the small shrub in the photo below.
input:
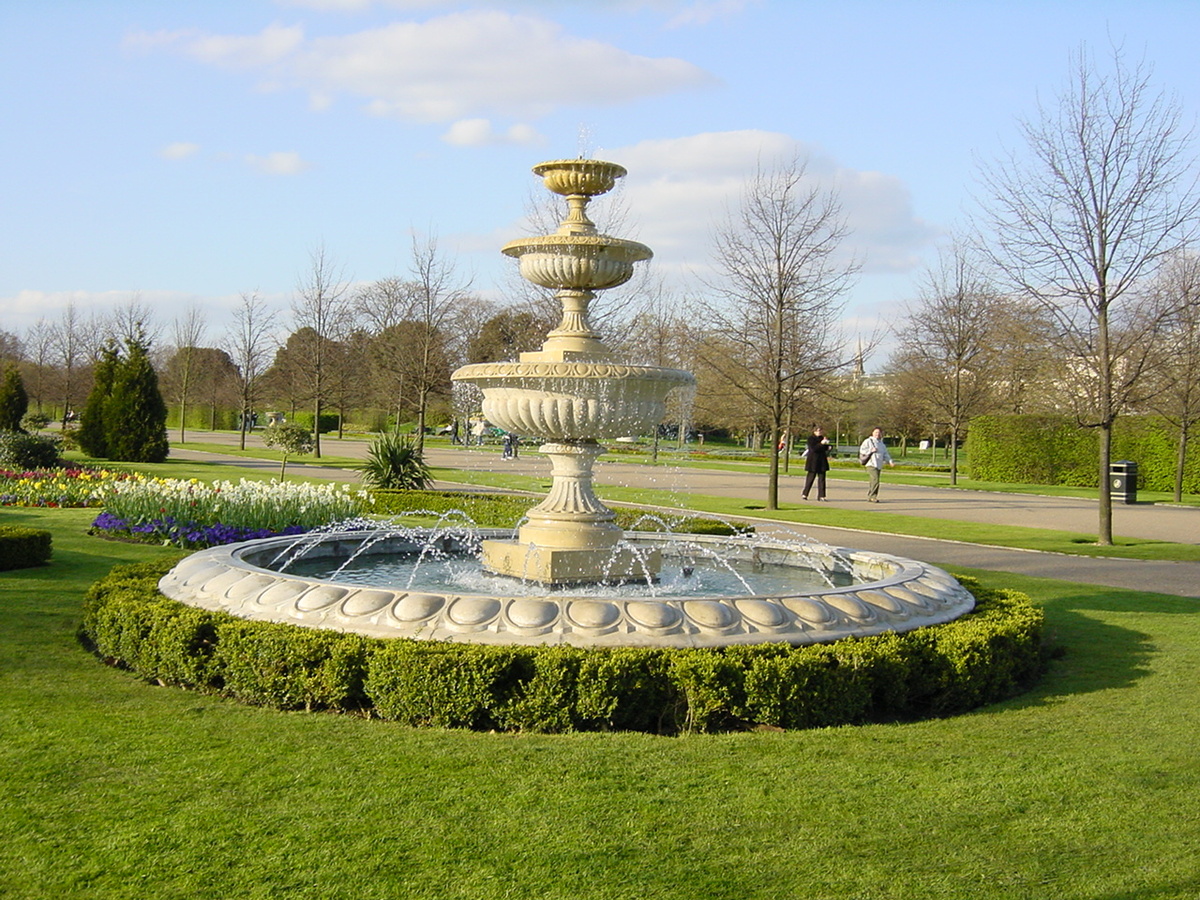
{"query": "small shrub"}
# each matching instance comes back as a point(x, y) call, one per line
point(23, 548)
point(291, 440)
point(396, 463)
point(28, 452)
point(35, 421)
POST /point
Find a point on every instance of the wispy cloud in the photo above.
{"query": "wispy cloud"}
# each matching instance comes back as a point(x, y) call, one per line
point(704, 12)
point(179, 150)
point(483, 63)
point(682, 188)
point(278, 163)
point(481, 133)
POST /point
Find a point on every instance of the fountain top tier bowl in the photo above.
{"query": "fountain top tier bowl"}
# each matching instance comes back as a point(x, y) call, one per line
point(579, 177)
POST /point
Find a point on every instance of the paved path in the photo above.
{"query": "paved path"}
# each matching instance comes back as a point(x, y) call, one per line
point(1145, 520)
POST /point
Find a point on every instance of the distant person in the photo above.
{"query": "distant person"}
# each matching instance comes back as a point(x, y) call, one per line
point(478, 430)
point(508, 447)
point(873, 453)
point(816, 462)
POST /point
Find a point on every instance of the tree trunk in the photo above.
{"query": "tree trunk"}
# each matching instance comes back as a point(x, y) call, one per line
point(1180, 460)
point(317, 427)
point(1105, 535)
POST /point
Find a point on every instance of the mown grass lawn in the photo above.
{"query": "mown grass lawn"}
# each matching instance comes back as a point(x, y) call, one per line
point(1087, 787)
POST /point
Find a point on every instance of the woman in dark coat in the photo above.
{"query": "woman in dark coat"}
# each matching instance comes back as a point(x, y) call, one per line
point(816, 462)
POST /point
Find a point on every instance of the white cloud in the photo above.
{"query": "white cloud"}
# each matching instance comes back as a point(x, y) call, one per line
point(179, 150)
point(480, 133)
point(702, 12)
point(681, 189)
point(451, 67)
point(278, 163)
point(272, 45)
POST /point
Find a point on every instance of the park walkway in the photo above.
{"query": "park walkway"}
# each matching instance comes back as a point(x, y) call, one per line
point(948, 505)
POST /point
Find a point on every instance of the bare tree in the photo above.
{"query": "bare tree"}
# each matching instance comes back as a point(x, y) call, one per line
point(657, 336)
point(384, 303)
point(321, 306)
point(779, 295)
point(132, 320)
point(249, 343)
point(1022, 359)
point(1079, 226)
point(187, 332)
point(39, 344)
point(438, 291)
point(945, 339)
point(1177, 368)
point(73, 350)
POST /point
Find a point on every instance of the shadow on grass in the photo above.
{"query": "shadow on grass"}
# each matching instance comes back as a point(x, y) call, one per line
point(1090, 651)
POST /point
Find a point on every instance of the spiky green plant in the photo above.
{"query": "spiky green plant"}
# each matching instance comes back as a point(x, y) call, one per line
point(395, 462)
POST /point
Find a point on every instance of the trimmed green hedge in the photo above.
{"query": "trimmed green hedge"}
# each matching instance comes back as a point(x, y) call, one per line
point(23, 548)
point(993, 653)
point(496, 510)
point(329, 421)
point(1045, 449)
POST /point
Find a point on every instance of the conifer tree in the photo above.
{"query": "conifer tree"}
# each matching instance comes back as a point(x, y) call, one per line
point(93, 431)
point(135, 413)
point(14, 401)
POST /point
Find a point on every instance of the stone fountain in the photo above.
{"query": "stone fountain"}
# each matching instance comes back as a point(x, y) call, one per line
point(551, 584)
point(572, 394)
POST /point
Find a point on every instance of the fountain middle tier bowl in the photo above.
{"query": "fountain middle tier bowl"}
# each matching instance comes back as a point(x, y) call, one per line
point(573, 401)
point(888, 593)
point(579, 262)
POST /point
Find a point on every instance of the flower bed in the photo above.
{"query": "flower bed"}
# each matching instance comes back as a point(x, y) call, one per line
point(194, 514)
point(77, 487)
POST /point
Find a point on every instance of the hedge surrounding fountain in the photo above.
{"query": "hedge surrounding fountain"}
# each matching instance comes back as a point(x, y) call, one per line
point(990, 654)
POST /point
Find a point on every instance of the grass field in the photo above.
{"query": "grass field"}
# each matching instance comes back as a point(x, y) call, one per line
point(1088, 787)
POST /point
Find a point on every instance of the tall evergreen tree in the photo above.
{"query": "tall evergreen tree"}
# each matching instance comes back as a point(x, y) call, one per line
point(14, 401)
point(93, 429)
point(136, 414)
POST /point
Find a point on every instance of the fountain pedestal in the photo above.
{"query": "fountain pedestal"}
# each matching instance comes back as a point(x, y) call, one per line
point(571, 537)
point(572, 393)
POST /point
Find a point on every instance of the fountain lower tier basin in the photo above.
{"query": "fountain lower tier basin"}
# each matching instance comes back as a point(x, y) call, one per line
point(890, 593)
point(573, 401)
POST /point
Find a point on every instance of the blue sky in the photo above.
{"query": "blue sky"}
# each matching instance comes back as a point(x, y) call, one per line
point(188, 152)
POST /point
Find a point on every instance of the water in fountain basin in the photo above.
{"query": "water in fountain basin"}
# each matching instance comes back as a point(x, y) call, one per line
point(443, 558)
point(461, 573)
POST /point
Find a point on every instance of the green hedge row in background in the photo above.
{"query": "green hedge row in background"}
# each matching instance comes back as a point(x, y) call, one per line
point(993, 653)
point(23, 548)
point(1044, 449)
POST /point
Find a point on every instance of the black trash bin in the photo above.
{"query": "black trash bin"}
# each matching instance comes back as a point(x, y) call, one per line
point(1122, 478)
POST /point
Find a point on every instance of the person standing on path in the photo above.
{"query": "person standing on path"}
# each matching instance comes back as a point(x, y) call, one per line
point(816, 462)
point(873, 453)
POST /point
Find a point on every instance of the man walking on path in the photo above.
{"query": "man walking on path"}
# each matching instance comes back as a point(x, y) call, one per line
point(873, 453)
point(816, 462)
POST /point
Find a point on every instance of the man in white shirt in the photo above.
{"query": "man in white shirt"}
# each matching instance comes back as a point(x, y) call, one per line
point(873, 453)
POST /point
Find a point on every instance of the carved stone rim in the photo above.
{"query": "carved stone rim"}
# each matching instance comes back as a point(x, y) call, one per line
point(578, 245)
point(902, 594)
point(589, 370)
